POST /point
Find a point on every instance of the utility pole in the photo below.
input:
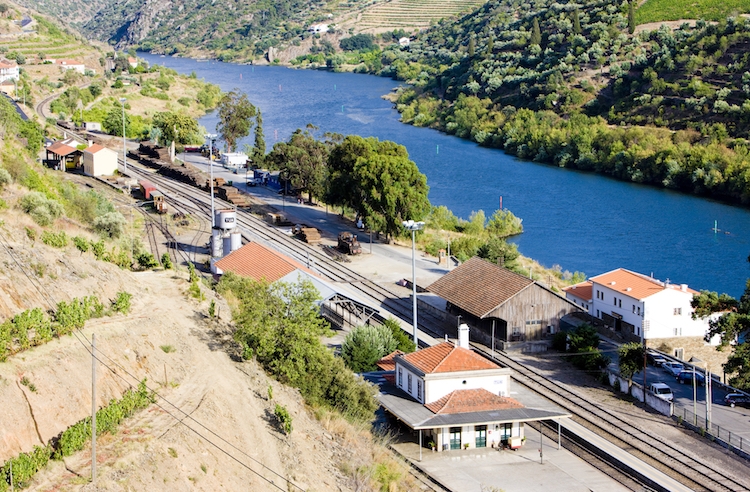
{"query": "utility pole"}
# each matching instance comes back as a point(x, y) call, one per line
point(93, 408)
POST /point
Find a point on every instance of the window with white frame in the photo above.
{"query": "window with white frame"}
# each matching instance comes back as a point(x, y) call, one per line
point(678, 311)
point(400, 377)
point(419, 390)
point(408, 382)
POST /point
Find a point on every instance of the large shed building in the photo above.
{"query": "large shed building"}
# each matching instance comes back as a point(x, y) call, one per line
point(497, 300)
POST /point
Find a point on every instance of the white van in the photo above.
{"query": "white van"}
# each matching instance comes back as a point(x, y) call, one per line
point(662, 391)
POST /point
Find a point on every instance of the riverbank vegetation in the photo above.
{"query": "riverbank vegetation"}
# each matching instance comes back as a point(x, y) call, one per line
point(665, 108)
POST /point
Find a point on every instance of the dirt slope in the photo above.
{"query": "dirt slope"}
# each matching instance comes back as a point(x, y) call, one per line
point(243, 448)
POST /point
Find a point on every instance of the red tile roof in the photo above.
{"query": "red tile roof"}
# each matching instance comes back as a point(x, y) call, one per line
point(94, 148)
point(388, 362)
point(478, 286)
point(61, 149)
point(471, 400)
point(258, 262)
point(446, 357)
point(633, 284)
point(584, 290)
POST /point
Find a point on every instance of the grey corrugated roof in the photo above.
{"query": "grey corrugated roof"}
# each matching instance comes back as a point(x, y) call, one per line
point(417, 416)
point(478, 286)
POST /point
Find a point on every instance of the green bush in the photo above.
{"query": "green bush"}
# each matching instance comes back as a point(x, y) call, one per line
point(55, 239)
point(283, 418)
point(121, 303)
point(111, 224)
point(146, 260)
point(82, 244)
point(42, 209)
point(166, 261)
point(365, 345)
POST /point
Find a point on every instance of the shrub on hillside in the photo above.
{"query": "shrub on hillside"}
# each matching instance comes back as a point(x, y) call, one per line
point(357, 42)
point(365, 345)
point(42, 209)
point(111, 224)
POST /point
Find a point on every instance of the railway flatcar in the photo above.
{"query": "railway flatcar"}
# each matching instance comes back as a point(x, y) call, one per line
point(146, 188)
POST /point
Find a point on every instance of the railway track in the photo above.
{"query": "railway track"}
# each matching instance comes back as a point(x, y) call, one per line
point(679, 463)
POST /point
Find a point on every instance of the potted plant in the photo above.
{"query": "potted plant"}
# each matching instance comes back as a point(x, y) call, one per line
point(431, 445)
point(466, 445)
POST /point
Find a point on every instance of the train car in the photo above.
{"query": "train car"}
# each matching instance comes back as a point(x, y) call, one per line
point(146, 188)
point(160, 203)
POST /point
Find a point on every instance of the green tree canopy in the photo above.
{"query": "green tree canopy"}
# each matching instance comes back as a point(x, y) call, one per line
point(236, 114)
point(176, 127)
point(378, 181)
point(258, 153)
point(112, 123)
point(365, 345)
point(304, 159)
point(631, 359)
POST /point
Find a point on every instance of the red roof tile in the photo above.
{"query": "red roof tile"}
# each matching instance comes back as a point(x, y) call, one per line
point(635, 285)
point(446, 357)
point(388, 362)
point(471, 400)
point(478, 286)
point(61, 149)
point(258, 262)
point(584, 290)
point(94, 148)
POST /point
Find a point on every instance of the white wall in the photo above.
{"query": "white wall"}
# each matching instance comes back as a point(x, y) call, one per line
point(103, 163)
point(498, 384)
point(664, 323)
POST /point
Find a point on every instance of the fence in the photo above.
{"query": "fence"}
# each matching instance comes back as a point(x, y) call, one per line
point(724, 437)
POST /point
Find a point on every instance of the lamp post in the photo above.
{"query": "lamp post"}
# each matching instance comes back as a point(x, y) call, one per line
point(414, 227)
point(124, 151)
point(211, 137)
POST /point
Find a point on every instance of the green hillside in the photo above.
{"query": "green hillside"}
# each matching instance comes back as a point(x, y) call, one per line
point(573, 87)
point(670, 10)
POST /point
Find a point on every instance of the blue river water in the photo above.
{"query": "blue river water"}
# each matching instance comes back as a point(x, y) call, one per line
point(580, 221)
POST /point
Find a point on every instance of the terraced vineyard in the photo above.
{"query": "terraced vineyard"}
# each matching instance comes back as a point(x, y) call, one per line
point(32, 47)
point(410, 14)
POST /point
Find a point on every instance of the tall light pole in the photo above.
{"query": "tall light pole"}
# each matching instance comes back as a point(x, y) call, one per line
point(414, 227)
point(124, 151)
point(211, 137)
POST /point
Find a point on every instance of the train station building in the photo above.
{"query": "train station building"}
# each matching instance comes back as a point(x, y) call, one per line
point(454, 398)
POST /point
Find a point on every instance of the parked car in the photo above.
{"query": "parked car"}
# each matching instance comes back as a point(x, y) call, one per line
point(686, 377)
point(656, 359)
point(662, 390)
point(673, 368)
point(733, 399)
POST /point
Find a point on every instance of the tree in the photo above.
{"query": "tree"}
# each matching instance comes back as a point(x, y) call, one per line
point(536, 33)
point(472, 46)
point(583, 342)
point(631, 17)
point(112, 123)
point(498, 250)
point(236, 114)
point(631, 359)
point(503, 224)
point(378, 181)
point(304, 160)
point(176, 127)
point(577, 21)
point(404, 341)
point(259, 146)
point(365, 345)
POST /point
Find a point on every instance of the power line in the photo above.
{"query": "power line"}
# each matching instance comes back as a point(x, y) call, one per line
point(51, 300)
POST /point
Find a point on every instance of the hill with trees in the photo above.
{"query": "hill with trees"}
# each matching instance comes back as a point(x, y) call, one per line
point(577, 87)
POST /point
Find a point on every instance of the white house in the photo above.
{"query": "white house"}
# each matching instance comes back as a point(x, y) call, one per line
point(456, 397)
point(9, 70)
point(404, 41)
point(580, 294)
point(99, 161)
point(71, 65)
point(641, 306)
point(318, 28)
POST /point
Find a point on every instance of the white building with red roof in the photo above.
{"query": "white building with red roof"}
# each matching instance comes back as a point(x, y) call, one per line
point(458, 398)
point(71, 65)
point(9, 70)
point(640, 306)
point(99, 161)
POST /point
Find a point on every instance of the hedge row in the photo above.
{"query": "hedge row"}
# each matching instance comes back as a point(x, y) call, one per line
point(35, 327)
point(25, 465)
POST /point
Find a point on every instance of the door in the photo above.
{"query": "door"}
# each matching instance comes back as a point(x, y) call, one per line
point(455, 437)
point(480, 433)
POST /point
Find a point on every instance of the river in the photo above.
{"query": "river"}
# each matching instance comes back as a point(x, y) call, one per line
point(580, 221)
